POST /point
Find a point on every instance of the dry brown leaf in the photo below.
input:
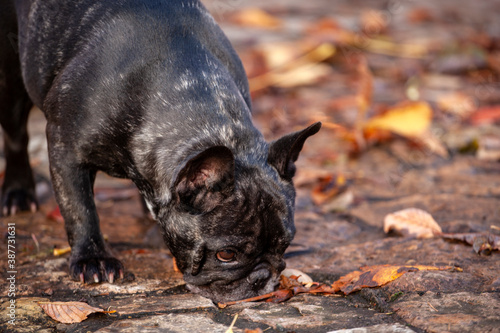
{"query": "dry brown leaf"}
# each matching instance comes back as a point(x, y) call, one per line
point(373, 22)
point(457, 103)
point(412, 222)
point(256, 17)
point(69, 312)
point(481, 243)
point(376, 276)
point(257, 330)
point(328, 188)
point(433, 144)
point(366, 277)
point(421, 14)
point(292, 65)
point(301, 277)
point(351, 42)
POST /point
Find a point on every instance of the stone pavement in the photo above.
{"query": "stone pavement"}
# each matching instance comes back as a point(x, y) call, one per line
point(462, 193)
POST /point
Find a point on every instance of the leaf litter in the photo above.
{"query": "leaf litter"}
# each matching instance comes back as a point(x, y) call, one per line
point(414, 222)
point(366, 277)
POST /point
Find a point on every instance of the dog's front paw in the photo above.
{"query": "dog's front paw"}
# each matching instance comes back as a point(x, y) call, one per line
point(96, 269)
point(15, 200)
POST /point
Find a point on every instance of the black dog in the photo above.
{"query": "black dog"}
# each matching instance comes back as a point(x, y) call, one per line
point(151, 91)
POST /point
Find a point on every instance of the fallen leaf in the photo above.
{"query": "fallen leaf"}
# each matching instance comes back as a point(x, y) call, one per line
point(412, 222)
point(69, 312)
point(59, 252)
point(379, 275)
point(418, 15)
point(457, 103)
point(409, 119)
point(352, 43)
point(373, 22)
point(301, 277)
point(55, 215)
point(289, 69)
point(488, 148)
point(257, 330)
point(255, 17)
point(433, 144)
point(328, 188)
point(482, 243)
point(366, 277)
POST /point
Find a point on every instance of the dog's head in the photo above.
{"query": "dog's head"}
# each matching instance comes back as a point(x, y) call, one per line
point(231, 222)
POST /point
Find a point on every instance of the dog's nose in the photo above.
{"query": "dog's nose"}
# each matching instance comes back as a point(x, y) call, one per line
point(281, 266)
point(260, 274)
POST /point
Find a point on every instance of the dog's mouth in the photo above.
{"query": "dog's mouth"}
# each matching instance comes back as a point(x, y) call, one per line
point(261, 280)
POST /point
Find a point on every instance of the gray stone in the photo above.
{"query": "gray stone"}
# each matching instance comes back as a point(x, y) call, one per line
point(149, 304)
point(383, 328)
point(169, 323)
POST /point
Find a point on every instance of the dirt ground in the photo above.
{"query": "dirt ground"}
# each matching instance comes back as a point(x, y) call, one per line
point(409, 94)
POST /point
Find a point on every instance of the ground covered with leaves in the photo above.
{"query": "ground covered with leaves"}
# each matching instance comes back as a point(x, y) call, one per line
point(398, 206)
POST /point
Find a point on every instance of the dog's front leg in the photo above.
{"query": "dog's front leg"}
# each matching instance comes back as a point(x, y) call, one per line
point(91, 259)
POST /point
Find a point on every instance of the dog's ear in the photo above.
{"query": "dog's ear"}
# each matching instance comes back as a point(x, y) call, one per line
point(285, 151)
point(205, 180)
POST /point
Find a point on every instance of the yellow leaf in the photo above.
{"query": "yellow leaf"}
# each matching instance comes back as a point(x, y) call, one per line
point(410, 119)
point(59, 252)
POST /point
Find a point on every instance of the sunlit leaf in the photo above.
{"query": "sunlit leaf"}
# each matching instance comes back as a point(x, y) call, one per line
point(410, 119)
point(255, 17)
point(59, 252)
point(412, 222)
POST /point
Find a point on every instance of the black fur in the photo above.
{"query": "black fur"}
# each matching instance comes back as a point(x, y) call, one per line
point(151, 91)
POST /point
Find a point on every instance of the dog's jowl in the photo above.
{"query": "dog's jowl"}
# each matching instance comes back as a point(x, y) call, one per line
point(151, 91)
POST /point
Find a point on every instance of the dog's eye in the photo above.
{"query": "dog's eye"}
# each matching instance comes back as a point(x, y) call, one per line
point(226, 255)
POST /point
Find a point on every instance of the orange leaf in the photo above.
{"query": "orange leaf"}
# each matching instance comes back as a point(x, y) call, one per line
point(328, 188)
point(69, 312)
point(255, 17)
point(486, 115)
point(59, 252)
point(412, 222)
point(376, 276)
